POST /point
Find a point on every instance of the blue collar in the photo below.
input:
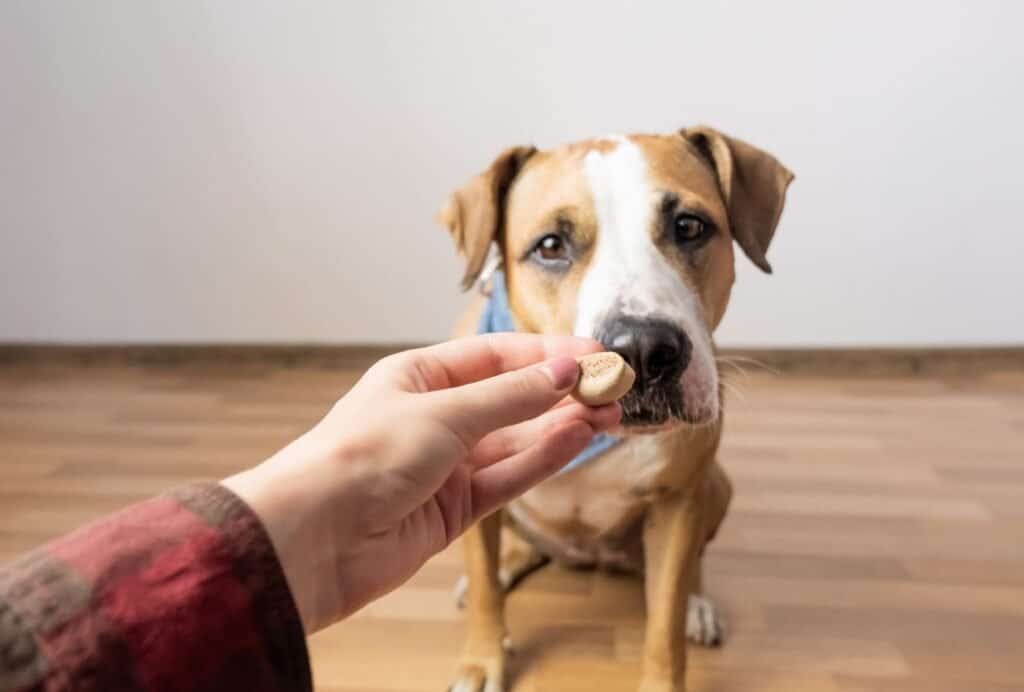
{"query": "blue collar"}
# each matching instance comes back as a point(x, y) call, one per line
point(498, 318)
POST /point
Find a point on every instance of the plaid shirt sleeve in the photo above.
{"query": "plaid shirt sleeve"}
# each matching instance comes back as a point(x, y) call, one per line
point(179, 593)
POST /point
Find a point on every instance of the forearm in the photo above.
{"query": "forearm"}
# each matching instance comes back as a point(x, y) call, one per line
point(307, 511)
point(180, 592)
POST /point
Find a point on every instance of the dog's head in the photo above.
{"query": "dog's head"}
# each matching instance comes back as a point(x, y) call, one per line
point(627, 240)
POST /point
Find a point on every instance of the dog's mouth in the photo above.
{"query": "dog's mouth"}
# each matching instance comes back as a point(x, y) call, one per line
point(651, 406)
point(654, 409)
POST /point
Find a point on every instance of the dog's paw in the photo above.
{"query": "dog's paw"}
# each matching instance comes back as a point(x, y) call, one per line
point(703, 625)
point(479, 675)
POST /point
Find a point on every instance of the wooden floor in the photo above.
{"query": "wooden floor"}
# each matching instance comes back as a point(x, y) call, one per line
point(876, 541)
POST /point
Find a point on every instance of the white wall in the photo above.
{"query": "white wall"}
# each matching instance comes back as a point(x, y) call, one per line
point(268, 171)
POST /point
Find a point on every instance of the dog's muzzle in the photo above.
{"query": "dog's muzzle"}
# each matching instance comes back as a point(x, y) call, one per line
point(659, 353)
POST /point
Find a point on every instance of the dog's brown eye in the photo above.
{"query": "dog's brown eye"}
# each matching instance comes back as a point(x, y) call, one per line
point(551, 247)
point(689, 228)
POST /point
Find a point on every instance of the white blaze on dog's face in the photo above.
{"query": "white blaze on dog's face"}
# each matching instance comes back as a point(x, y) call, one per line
point(628, 240)
point(639, 293)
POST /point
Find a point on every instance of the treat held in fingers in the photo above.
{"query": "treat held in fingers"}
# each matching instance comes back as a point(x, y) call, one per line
point(604, 378)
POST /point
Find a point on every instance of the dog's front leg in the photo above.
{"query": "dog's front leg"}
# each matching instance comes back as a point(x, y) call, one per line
point(482, 664)
point(673, 534)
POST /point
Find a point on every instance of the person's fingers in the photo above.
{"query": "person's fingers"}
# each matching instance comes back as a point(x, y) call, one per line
point(506, 442)
point(474, 410)
point(461, 361)
point(499, 483)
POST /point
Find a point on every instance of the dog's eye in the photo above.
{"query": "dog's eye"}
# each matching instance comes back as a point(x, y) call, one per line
point(689, 229)
point(552, 248)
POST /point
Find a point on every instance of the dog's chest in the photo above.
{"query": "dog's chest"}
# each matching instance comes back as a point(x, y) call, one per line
point(592, 514)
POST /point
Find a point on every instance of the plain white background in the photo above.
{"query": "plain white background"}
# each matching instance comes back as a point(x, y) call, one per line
point(268, 171)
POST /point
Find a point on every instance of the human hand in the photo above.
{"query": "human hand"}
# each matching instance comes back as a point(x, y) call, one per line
point(425, 444)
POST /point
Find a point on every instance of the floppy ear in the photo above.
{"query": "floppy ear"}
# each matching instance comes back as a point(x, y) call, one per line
point(753, 185)
point(475, 213)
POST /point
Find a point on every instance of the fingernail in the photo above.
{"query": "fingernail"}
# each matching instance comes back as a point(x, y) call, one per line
point(562, 371)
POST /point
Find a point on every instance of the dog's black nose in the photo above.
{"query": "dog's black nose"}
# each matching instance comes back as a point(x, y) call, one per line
point(657, 351)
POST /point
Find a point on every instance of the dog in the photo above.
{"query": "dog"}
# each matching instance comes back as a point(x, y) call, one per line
point(627, 240)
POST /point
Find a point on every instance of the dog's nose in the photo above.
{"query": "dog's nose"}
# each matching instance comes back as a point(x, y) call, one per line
point(657, 351)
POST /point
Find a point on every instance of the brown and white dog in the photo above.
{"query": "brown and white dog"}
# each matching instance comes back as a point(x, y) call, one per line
point(628, 240)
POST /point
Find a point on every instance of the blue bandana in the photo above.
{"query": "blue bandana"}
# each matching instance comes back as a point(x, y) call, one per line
point(498, 318)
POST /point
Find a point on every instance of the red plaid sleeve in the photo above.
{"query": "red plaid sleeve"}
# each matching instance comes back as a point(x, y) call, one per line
point(179, 593)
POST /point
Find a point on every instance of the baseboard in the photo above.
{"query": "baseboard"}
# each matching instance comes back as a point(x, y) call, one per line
point(804, 361)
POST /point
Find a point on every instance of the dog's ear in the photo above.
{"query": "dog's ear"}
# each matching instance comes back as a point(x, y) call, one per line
point(475, 213)
point(753, 185)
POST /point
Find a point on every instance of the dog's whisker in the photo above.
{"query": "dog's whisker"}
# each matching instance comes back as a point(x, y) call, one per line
point(734, 359)
point(734, 367)
point(735, 390)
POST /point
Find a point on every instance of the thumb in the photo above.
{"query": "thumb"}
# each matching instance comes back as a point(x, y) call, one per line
point(474, 410)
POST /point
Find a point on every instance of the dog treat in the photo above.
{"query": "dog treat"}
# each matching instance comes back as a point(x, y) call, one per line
point(604, 378)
